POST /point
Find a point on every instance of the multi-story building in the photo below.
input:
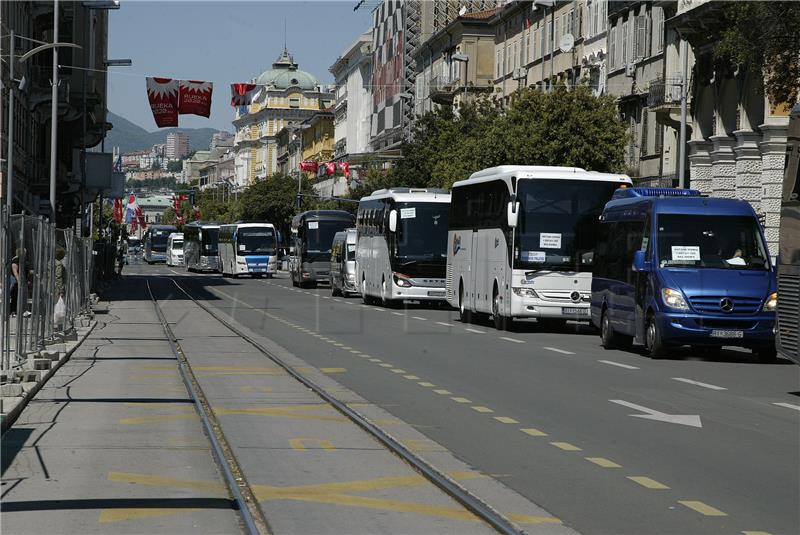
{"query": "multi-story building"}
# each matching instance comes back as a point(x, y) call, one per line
point(218, 170)
point(352, 73)
point(221, 139)
point(192, 166)
point(81, 94)
point(177, 146)
point(288, 96)
point(441, 79)
point(737, 146)
point(290, 150)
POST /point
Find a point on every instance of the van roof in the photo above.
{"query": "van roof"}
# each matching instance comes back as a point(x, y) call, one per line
point(686, 205)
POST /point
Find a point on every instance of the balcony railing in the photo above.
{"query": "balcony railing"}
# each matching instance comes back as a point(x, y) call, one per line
point(664, 93)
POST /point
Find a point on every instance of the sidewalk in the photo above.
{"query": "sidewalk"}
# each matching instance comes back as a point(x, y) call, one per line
point(112, 444)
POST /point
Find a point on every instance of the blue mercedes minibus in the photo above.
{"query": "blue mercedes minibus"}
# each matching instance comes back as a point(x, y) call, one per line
point(674, 268)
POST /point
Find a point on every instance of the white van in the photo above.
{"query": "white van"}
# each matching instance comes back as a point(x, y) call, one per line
point(175, 249)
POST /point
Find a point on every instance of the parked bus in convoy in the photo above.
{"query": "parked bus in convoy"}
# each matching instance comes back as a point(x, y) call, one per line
point(155, 243)
point(521, 242)
point(343, 263)
point(401, 253)
point(201, 246)
point(674, 268)
point(312, 237)
point(788, 328)
point(248, 249)
point(175, 249)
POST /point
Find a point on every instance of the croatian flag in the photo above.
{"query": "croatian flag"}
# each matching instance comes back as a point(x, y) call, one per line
point(131, 209)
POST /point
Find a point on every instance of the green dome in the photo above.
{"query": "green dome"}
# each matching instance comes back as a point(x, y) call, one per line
point(285, 74)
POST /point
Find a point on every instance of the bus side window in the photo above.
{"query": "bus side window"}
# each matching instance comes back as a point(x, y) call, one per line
point(599, 260)
point(634, 234)
point(615, 252)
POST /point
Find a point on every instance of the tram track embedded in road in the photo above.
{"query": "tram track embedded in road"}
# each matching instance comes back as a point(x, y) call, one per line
point(446, 484)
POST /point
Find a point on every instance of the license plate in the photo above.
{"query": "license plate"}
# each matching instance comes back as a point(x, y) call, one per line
point(435, 294)
point(575, 311)
point(727, 334)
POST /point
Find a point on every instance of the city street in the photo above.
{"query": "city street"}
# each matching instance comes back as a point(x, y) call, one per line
point(608, 441)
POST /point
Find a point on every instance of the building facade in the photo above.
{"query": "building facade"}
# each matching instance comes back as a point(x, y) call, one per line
point(177, 146)
point(82, 121)
point(288, 96)
point(352, 73)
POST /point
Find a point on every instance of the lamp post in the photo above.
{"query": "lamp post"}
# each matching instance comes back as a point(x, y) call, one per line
point(461, 57)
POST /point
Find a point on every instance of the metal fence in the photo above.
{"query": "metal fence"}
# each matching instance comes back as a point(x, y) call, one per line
point(41, 265)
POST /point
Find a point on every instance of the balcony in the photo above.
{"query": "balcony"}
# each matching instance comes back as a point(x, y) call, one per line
point(664, 98)
point(442, 89)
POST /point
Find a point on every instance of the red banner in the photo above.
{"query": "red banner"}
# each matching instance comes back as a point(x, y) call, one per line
point(163, 96)
point(244, 94)
point(345, 167)
point(330, 168)
point(195, 98)
point(309, 167)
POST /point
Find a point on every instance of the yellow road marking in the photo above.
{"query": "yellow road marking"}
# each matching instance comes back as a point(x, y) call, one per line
point(422, 445)
point(290, 411)
point(332, 370)
point(481, 408)
point(648, 483)
point(506, 420)
point(532, 519)
point(702, 508)
point(566, 446)
point(532, 431)
point(218, 374)
point(172, 406)
point(300, 443)
point(119, 515)
point(443, 392)
point(237, 369)
point(411, 377)
point(157, 418)
point(166, 481)
point(262, 389)
point(461, 400)
point(426, 384)
point(602, 461)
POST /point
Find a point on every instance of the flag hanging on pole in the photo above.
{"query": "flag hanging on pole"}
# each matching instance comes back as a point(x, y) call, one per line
point(309, 166)
point(163, 96)
point(195, 97)
point(345, 167)
point(330, 168)
point(244, 94)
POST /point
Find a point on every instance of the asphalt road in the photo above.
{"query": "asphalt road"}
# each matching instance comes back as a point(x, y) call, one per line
point(552, 414)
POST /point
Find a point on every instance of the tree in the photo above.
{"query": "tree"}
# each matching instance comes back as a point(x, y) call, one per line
point(273, 200)
point(175, 166)
point(764, 38)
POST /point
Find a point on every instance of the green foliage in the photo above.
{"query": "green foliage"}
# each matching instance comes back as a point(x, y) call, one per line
point(273, 200)
point(764, 37)
point(565, 128)
point(175, 166)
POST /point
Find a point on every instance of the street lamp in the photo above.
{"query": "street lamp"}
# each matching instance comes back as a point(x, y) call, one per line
point(459, 56)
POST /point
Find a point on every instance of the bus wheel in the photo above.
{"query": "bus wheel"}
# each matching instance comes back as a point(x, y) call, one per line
point(464, 314)
point(606, 332)
point(655, 346)
point(501, 323)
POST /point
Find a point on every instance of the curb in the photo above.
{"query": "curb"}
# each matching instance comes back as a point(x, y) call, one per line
point(11, 416)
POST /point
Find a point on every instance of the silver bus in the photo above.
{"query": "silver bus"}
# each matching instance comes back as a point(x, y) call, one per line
point(788, 325)
point(312, 237)
point(248, 249)
point(402, 245)
point(201, 246)
point(521, 242)
point(155, 243)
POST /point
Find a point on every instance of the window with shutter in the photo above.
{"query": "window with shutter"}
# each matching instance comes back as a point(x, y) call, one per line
point(640, 37)
point(612, 48)
point(624, 55)
point(658, 147)
point(645, 128)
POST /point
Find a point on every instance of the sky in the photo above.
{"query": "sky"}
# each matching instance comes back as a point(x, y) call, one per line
point(222, 42)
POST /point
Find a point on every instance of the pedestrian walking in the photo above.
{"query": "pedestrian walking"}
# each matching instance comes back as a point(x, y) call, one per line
point(122, 249)
point(60, 309)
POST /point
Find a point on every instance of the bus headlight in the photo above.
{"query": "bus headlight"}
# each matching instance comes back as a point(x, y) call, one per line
point(772, 302)
point(525, 292)
point(401, 280)
point(674, 299)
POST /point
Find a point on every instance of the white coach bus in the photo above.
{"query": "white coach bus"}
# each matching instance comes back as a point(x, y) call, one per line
point(248, 249)
point(521, 242)
point(402, 245)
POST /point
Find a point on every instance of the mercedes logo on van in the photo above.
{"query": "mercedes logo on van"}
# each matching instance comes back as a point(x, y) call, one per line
point(575, 296)
point(726, 304)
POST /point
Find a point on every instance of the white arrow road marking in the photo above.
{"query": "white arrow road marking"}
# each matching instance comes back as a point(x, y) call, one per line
point(698, 383)
point(788, 406)
point(692, 420)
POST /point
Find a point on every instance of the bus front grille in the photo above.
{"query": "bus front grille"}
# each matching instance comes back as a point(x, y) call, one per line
point(788, 311)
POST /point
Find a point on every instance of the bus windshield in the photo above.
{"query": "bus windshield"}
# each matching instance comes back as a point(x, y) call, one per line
point(713, 241)
point(210, 241)
point(158, 239)
point(558, 224)
point(255, 241)
point(177, 244)
point(319, 237)
point(422, 232)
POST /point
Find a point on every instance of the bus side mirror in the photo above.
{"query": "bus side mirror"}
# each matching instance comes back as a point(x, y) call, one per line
point(513, 214)
point(639, 262)
point(393, 221)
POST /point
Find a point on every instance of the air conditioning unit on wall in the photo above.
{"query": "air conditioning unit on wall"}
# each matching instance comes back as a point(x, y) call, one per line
point(630, 70)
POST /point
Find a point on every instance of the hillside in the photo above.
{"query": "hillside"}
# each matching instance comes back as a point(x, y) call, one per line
point(130, 137)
